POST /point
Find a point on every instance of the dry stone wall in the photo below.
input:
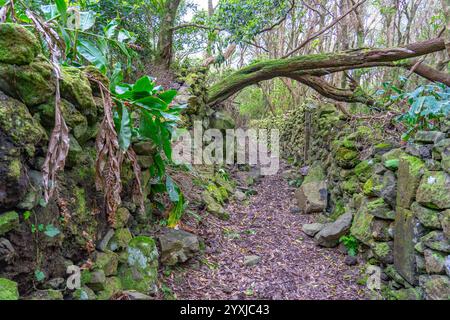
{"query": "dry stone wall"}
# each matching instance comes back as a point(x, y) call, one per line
point(397, 195)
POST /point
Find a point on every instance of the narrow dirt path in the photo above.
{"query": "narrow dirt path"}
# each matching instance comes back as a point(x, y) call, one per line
point(291, 265)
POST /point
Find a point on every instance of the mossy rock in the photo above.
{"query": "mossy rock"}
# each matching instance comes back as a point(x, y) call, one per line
point(84, 293)
point(394, 154)
point(140, 271)
point(113, 286)
point(75, 87)
point(17, 44)
point(405, 294)
point(364, 170)
point(409, 173)
point(436, 240)
point(214, 207)
point(435, 287)
point(33, 84)
point(434, 190)
point(315, 174)
point(17, 122)
point(380, 209)
point(106, 261)
point(8, 221)
point(120, 240)
point(445, 222)
point(351, 185)
point(48, 294)
point(346, 158)
point(361, 226)
point(76, 122)
point(383, 252)
point(8, 290)
point(427, 217)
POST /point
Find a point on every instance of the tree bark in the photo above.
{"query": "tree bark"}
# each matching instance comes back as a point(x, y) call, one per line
point(165, 39)
point(321, 64)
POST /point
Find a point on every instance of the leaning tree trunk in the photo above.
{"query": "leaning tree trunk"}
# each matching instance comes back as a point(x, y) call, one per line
point(317, 65)
point(165, 39)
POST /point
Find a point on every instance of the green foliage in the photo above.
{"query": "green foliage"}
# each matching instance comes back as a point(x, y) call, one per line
point(102, 44)
point(150, 104)
point(427, 105)
point(351, 243)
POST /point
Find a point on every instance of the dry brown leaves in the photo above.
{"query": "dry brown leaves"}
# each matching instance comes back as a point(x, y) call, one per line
point(109, 157)
point(58, 146)
point(138, 196)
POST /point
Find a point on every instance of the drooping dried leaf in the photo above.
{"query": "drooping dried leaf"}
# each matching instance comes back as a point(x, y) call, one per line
point(58, 146)
point(109, 157)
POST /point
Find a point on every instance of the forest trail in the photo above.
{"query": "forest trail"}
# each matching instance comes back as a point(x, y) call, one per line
point(291, 265)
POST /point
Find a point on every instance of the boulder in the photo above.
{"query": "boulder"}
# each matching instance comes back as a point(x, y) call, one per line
point(8, 290)
point(177, 246)
point(434, 190)
point(383, 186)
point(330, 234)
point(95, 280)
point(140, 270)
point(135, 295)
point(311, 229)
point(312, 196)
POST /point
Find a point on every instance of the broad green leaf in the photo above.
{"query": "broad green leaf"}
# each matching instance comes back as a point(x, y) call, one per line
point(144, 84)
point(172, 189)
point(152, 103)
point(125, 130)
point(51, 231)
point(50, 11)
point(87, 20)
point(61, 5)
point(168, 96)
point(91, 53)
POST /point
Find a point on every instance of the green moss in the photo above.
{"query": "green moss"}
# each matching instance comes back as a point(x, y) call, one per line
point(15, 169)
point(141, 268)
point(315, 174)
point(381, 249)
point(19, 125)
point(368, 186)
point(75, 87)
point(32, 84)
point(351, 185)
point(113, 286)
point(8, 290)
point(17, 44)
point(433, 190)
point(361, 226)
point(8, 221)
point(364, 170)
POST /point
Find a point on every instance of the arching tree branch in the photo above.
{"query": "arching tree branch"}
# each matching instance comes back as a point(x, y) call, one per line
point(321, 64)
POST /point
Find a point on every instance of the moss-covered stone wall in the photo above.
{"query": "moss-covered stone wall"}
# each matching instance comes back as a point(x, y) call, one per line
point(397, 193)
point(38, 241)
